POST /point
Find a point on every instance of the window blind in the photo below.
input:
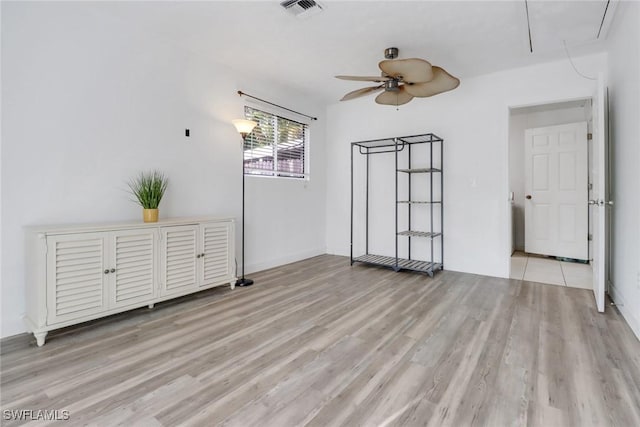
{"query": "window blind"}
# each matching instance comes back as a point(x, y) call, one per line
point(276, 147)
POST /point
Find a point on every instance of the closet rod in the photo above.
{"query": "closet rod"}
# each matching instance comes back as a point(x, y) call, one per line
point(241, 93)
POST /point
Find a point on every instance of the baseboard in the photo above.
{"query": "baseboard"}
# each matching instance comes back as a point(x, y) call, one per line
point(337, 252)
point(287, 259)
point(627, 311)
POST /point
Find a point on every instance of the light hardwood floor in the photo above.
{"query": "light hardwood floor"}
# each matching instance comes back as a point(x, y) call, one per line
point(320, 343)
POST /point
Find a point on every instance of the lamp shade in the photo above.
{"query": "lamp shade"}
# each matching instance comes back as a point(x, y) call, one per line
point(244, 127)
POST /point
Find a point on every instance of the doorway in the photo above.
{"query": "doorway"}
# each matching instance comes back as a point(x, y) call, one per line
point(541, 220)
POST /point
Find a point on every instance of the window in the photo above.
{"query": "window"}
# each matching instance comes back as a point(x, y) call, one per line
point(276, 147)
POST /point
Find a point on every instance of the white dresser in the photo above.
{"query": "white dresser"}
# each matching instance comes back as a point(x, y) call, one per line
point(77, 273)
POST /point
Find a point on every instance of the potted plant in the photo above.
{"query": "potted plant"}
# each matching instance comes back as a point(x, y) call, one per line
point(148, 188)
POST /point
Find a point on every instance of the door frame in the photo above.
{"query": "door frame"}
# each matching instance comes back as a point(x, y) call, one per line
point(507, 150)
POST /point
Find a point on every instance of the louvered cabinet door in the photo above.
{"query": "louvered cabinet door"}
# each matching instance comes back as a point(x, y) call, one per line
point(179, 260)
point(133, 257)
point(216, 262)
point(76, 282)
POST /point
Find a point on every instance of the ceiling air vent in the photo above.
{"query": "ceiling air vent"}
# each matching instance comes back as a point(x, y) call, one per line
point(302, 8)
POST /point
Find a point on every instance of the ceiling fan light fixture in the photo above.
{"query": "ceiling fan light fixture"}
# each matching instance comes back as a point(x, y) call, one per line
point(398, 97)
point(391, 86)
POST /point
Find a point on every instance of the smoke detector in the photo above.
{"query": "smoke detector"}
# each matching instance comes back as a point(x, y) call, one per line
point(302, 8)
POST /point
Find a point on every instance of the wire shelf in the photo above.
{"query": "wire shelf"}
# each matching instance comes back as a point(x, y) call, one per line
point(418, 201)
point(402, 263)
point(420, 170)
point(412, 233)
point(400, 140)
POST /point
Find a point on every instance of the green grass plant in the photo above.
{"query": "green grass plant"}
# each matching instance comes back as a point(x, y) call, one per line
point(148, 188)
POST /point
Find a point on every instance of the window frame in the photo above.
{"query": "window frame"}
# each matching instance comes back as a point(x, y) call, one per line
point(307, 145)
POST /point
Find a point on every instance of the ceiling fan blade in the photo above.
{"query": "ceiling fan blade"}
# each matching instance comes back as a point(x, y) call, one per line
point(414, 70)
point(361, 92)
point(364, 78)
point(398, 97)
point(442, 82)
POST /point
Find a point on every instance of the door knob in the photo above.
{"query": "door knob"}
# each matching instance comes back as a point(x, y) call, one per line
point(106, 271)
point(609, 203)
point(593, 202)
point(113, 270)
point(528, 196)
point(198, 256)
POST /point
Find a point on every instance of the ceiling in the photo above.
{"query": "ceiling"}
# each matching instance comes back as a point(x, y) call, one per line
point(348, 37)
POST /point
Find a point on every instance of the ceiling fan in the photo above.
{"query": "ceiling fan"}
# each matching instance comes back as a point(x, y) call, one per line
point(403, 79)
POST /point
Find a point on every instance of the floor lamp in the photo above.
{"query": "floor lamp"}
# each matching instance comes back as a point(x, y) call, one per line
point(244, 128)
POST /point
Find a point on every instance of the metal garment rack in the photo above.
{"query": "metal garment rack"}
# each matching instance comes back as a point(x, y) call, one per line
point(398, 146)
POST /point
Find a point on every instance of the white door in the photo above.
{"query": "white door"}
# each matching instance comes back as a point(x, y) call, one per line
point(179, 259)
point(77, 272)
point(132, 266)
point(599, 202)
point(556, 191)
point(216, 261)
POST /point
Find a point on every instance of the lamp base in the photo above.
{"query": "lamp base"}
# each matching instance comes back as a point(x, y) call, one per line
point(244, 282)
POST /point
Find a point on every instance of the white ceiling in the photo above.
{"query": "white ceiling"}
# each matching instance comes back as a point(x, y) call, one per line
point(348, 37)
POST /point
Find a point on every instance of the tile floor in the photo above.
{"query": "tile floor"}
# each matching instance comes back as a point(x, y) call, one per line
point(536, 268)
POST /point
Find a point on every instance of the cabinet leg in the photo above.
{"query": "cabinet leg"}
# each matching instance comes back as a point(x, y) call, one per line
point(151, 305)
point(233, 284)
point(40, 336)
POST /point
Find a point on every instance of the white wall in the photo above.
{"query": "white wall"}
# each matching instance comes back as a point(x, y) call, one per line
point(473, 120)
point(521, 120)
point(624, 104)
point(87, 103)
